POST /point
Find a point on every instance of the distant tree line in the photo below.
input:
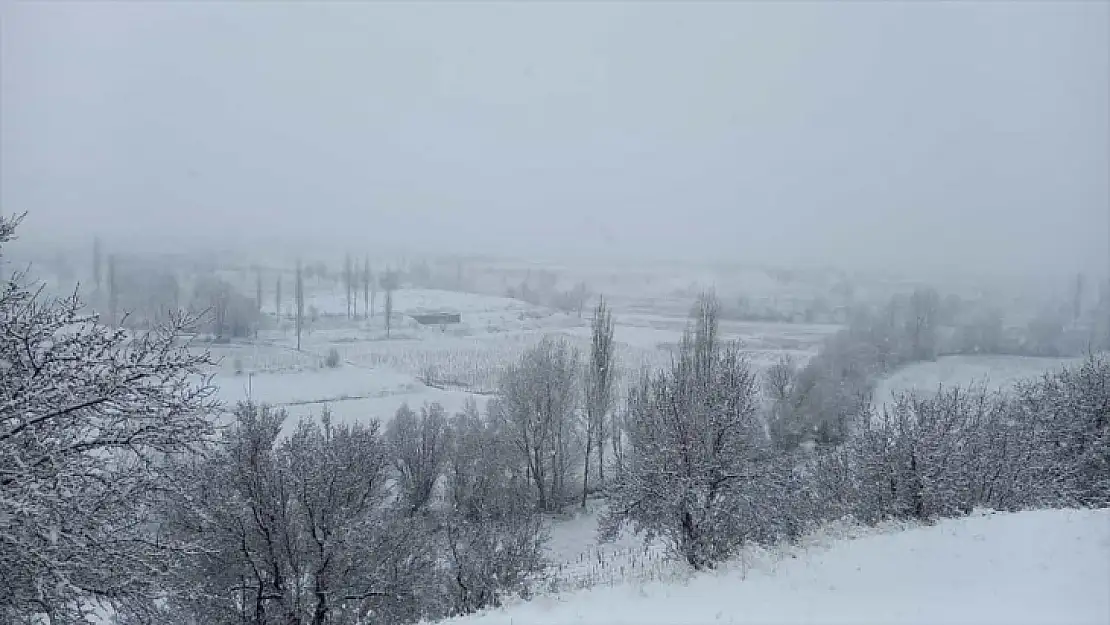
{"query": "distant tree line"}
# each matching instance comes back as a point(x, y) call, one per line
point(541, 289)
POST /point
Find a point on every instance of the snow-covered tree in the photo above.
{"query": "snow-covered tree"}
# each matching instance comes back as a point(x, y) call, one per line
point(367, 290)
point(600, 379)
point(349, 285)
point(537, 401)
point(486, 478)
point(983, 333)
point(227, 313)
point(694, 442)
point(360, 557)
point(258, 290)
point(113, 292)
point(418, 448)
point(914, 458)
point(97, 264)
point(89, 417)
point(299, 531)
point(494, 536)
point(277, 298)
point(1071, 411)
point(1046, 444)
point(921, 327)
point(779, 389)
point(298, 297)
point(390, 281)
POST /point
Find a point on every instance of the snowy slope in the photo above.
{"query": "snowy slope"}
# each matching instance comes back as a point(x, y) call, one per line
point(1050, 566)
point(993, 372)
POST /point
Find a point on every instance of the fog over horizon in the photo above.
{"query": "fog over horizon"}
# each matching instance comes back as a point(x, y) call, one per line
point(923, 137)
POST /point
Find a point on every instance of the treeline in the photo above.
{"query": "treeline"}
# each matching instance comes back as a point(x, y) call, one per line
point(817, 403)
point(139, 296)
point(541, 289)
point(704, 474)
point(339, 523)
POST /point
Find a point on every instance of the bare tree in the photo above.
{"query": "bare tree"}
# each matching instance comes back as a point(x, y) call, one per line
point(373, 293)
point(579, 296)
point(1077, 298)
point(277, 298)
point(219, 303)
point(536, 405)
point(418, 448)
point(230, 314)
point(89, 414)
point(298, 294)
point(348, 283)
point(113, 292)
point(781, 390)
point(922, 324)
point(367, 280)
point(258, 289)
point(389, 284)
point(97, 262)
point(779, 378)
point(599, 384)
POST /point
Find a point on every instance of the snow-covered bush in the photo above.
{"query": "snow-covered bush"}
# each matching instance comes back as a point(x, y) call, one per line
point(492, 532)
point(89, 417)
point(298, 530)
point(1068, 415)
point(1045, 445)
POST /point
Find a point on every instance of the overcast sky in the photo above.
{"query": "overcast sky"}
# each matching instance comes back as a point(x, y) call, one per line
point(918, 135)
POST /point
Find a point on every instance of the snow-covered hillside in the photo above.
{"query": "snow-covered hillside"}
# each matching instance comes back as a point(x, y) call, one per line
point(1048, 566)
point(995, 372)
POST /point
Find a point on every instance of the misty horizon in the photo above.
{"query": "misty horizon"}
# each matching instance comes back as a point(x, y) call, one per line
point(915, 137)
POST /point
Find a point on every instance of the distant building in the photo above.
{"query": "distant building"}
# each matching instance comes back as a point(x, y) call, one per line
point(436, 319)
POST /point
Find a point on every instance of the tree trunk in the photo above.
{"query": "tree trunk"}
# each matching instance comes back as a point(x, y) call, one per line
point(320, 614)
point(538, 478)
point(618, 456)
point(586, 470)
point(601, 451)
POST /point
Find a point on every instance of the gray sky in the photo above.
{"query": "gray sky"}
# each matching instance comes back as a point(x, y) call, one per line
point(913, 135)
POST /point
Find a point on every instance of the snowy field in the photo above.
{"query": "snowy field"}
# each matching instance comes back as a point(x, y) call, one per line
point(450, 364)
point(978, 570)
point(579, 560)
point(992, 372)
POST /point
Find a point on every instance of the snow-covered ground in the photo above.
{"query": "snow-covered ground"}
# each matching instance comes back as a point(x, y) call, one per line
point(579, 560)
point(1048, 566)
point(995, 372)
point(420, 364)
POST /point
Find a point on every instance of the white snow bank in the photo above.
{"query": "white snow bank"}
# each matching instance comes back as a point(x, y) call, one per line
point(1050, 566)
